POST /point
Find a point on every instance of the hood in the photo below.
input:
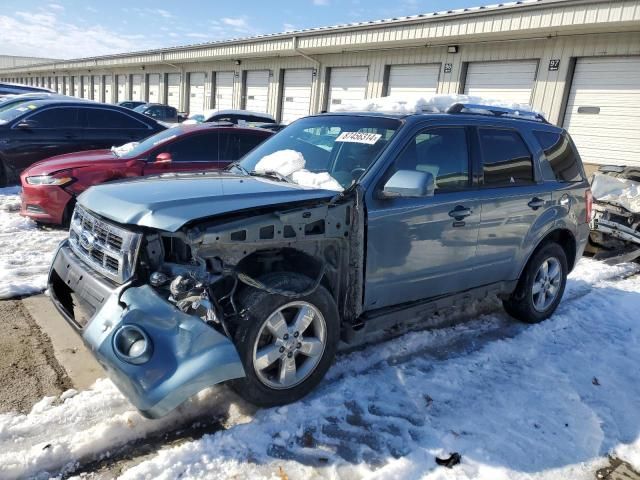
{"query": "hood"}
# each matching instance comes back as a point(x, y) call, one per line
point(167, 202)
point(70, 160)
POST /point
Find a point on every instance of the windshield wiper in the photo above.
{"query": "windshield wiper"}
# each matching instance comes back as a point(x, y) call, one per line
point(239, 167)
point(272, 174)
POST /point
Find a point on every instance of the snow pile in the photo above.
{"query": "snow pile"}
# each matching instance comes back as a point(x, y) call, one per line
point(619, 191)
point(408, 104)
point(545, 402)
point(290, 164)
point(26, 251)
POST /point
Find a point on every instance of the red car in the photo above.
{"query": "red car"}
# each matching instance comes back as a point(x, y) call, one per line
point(49, 187)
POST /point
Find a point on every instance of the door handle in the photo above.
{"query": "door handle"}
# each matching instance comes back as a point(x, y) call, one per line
point(460, 212)
point(535, 203)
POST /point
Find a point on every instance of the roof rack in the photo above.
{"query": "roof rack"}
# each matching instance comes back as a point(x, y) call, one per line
point(479, 109)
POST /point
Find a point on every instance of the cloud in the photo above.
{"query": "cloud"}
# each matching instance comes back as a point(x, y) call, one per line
point(239, 22)
point(288, 27)
point(55, 6)
point(321, 3)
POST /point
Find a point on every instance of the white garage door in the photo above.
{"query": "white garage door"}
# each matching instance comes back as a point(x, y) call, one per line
point(86, 87)
point(77, 90)
point(223, 95)
point(603, 110)
point(173, 90)
point(296, 94)
point(154, 87)
point(347, 85)
point(196, 93)
point(122, 87)
point(68, 90)
point(506, 81)
point(257, 91)
point(136, 87)
point(108, 89)
point(413, 79)
point(96, 88)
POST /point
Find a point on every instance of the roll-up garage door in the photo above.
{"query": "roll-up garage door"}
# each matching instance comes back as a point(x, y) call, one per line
point(603, 110)
point(223, 95)
point(347, 85)
point(68, 86)
point(413, 79)
point(173, 90)
point(122, 89)
point(77, 90)
point(154, 87)
point(136, 87)
point(108, 89)
point(257, 91)
point(86, 87)
point(97, 86)
point(296, 94)
point(196, 93)
point(511, 81)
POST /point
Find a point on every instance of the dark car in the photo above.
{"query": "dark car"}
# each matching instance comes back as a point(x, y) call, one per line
point(159, 112)
point(50, 187)
point(338, 230)
point(16, 89)
point(131, 104)
point(34, 130)
point(11, 100)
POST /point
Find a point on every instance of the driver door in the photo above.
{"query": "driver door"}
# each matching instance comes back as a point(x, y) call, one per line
point(419, 248)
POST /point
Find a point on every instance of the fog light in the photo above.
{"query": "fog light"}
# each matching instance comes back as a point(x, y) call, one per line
point(132, 344)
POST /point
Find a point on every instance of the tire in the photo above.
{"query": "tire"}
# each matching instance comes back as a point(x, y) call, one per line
point(528, 306)
point(274, 385)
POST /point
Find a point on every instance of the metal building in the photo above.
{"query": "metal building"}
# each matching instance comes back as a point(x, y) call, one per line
point(578, 61)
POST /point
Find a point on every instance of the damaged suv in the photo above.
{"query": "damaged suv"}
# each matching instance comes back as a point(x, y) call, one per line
point(340, 228)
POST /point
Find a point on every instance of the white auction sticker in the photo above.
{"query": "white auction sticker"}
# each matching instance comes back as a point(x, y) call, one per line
point(359, 137)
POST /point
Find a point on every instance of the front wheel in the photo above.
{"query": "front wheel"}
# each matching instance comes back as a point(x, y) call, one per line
point(286, 344)
point(541, 285)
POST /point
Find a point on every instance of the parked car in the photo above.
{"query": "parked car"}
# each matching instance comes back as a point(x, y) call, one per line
point(11, 100)
point(159, 112)
point(341, 226)
point(17, 89)
point(615, 224)
point(32, 131)
point(50, 187)
point(231, 116)
point(131, 104)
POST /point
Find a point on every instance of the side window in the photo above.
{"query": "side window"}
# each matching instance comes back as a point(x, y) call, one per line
point(108, 119)
point(505, 157)
point(247, 142)
point(442, 152)
point(60, 117)
point(561, 156)
point(195, 148)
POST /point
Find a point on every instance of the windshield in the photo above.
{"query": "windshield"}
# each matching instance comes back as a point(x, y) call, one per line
point(338, 147)
point(150, 142)
point(14, 110)
point(140, 108)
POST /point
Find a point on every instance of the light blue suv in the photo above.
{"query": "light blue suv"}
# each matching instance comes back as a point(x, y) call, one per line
point(256, 276)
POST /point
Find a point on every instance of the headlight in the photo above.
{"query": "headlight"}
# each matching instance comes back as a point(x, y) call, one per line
point(56, 179)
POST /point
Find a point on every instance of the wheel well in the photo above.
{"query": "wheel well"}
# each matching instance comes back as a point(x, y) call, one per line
point(566, 240)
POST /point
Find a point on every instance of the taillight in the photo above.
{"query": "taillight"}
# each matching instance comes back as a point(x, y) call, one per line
point(588, 203)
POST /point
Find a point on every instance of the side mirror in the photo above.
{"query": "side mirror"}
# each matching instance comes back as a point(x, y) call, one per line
point(409, 183)
point(164, 157)
point(24, 125)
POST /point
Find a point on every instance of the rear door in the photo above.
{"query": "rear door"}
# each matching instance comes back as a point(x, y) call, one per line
point(53, 131)
point(106, 127)
point(419, 248)
point(513, 200)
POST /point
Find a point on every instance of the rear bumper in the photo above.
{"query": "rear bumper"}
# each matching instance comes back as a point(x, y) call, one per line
point(182, 354)
point(44, 203)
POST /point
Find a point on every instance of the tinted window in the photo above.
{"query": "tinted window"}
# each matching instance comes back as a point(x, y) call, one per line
point(505, 157)
point(442, 152)
point(60, 117)
point(247, 142)
point(195, 148)
point(106, 119)
point(561, 156)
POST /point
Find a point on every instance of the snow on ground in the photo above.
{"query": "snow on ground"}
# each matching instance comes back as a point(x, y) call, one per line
point(26, 251)
point(547, 401)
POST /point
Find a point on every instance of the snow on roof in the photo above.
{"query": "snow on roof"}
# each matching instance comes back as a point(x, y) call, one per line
point(210, 113)
point(409, 104)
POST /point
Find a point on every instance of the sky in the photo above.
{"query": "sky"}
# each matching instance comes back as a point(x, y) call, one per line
point(81, 28)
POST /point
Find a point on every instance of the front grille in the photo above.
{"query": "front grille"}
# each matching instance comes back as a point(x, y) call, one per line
point(109, 249)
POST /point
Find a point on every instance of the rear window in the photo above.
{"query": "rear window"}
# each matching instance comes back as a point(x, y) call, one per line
point(505, 157)
point(107, 119)
point(561, 156)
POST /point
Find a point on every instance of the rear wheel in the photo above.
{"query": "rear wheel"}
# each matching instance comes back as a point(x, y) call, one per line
point(541, 285)
point(286, 344)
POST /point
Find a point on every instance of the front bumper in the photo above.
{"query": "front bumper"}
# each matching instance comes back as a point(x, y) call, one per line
point(185, 354)
point(44, 203)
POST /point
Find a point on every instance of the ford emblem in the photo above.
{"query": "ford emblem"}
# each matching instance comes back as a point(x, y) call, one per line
point(87, 241)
